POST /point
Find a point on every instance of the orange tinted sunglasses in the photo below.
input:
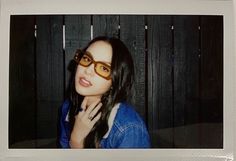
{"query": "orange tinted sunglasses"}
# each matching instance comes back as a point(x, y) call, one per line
point(102, 69)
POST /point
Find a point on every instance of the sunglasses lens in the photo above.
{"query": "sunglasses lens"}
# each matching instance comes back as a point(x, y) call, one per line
point(103, 70)
point(86, 60)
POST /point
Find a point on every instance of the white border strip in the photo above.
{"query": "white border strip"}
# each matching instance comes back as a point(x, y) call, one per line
point(177, 7)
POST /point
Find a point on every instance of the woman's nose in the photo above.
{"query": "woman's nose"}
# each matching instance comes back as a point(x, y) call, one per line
point(90, 69)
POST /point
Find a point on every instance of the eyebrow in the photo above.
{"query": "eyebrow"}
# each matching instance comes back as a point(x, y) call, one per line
point(88, 53)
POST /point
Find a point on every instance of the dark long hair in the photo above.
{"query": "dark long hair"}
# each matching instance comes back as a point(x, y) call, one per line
point(122, 75)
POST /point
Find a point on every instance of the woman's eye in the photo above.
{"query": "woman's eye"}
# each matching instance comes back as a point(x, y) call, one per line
point(105, 69)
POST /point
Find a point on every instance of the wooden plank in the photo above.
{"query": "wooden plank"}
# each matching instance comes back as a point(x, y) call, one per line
point(21, 80)
point(186, 80)
point(77, 35)
point(105, 25)
point(132, 33)
point(160, 113)
point(212, 77)
point(50, 73)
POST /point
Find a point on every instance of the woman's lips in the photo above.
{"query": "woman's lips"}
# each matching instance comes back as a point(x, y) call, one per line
point(85, 83)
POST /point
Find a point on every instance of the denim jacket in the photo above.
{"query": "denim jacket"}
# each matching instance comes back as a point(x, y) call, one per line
point(128, 130)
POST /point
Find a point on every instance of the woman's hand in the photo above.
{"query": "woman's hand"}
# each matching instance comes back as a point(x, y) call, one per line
point(84, 122)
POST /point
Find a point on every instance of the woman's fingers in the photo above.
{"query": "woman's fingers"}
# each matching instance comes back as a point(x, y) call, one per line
point(84, 103)
point(88, 115)
point(95, 110)
point(83, 106)
point(92, 106)
point(96, 118)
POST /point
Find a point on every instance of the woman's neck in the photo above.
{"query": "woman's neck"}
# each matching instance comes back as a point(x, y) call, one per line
point(91, 99)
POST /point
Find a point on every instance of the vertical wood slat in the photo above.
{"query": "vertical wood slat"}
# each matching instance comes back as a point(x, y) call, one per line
point(132, 33)
point(212, 78)
point(77, 35)
point(50, 73)
point(22, 80)
point(186, 80)
point(159, 80)
point(105, 25)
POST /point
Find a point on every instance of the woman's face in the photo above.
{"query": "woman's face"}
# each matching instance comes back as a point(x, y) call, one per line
point(87, 81)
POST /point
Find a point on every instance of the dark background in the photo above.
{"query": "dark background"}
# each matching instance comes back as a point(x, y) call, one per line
point(178, 64)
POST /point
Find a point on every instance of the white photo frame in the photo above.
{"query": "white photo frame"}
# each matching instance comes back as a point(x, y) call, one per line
point(188, 7)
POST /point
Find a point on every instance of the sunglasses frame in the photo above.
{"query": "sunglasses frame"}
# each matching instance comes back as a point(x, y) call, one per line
point(78, 56)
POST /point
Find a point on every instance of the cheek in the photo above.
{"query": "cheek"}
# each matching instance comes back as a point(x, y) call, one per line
point(76, 79)
point(102, 85)
point(78, 72)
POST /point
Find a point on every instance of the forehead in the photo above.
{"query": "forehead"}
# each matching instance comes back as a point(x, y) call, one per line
point(101, 51)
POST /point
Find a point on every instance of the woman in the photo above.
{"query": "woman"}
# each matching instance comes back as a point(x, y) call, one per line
point(97, 114)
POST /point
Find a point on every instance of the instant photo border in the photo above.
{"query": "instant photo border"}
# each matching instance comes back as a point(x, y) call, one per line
point(139, 7)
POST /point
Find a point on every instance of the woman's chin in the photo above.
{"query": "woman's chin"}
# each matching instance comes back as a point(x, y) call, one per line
point(86, 91)
point(82, 92)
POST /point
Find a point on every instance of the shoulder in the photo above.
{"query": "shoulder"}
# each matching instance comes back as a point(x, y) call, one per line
point(129, 129)
point(127, 117)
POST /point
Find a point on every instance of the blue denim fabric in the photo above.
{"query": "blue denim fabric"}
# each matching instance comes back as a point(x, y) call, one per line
point(128, 130)
point(64, 126)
